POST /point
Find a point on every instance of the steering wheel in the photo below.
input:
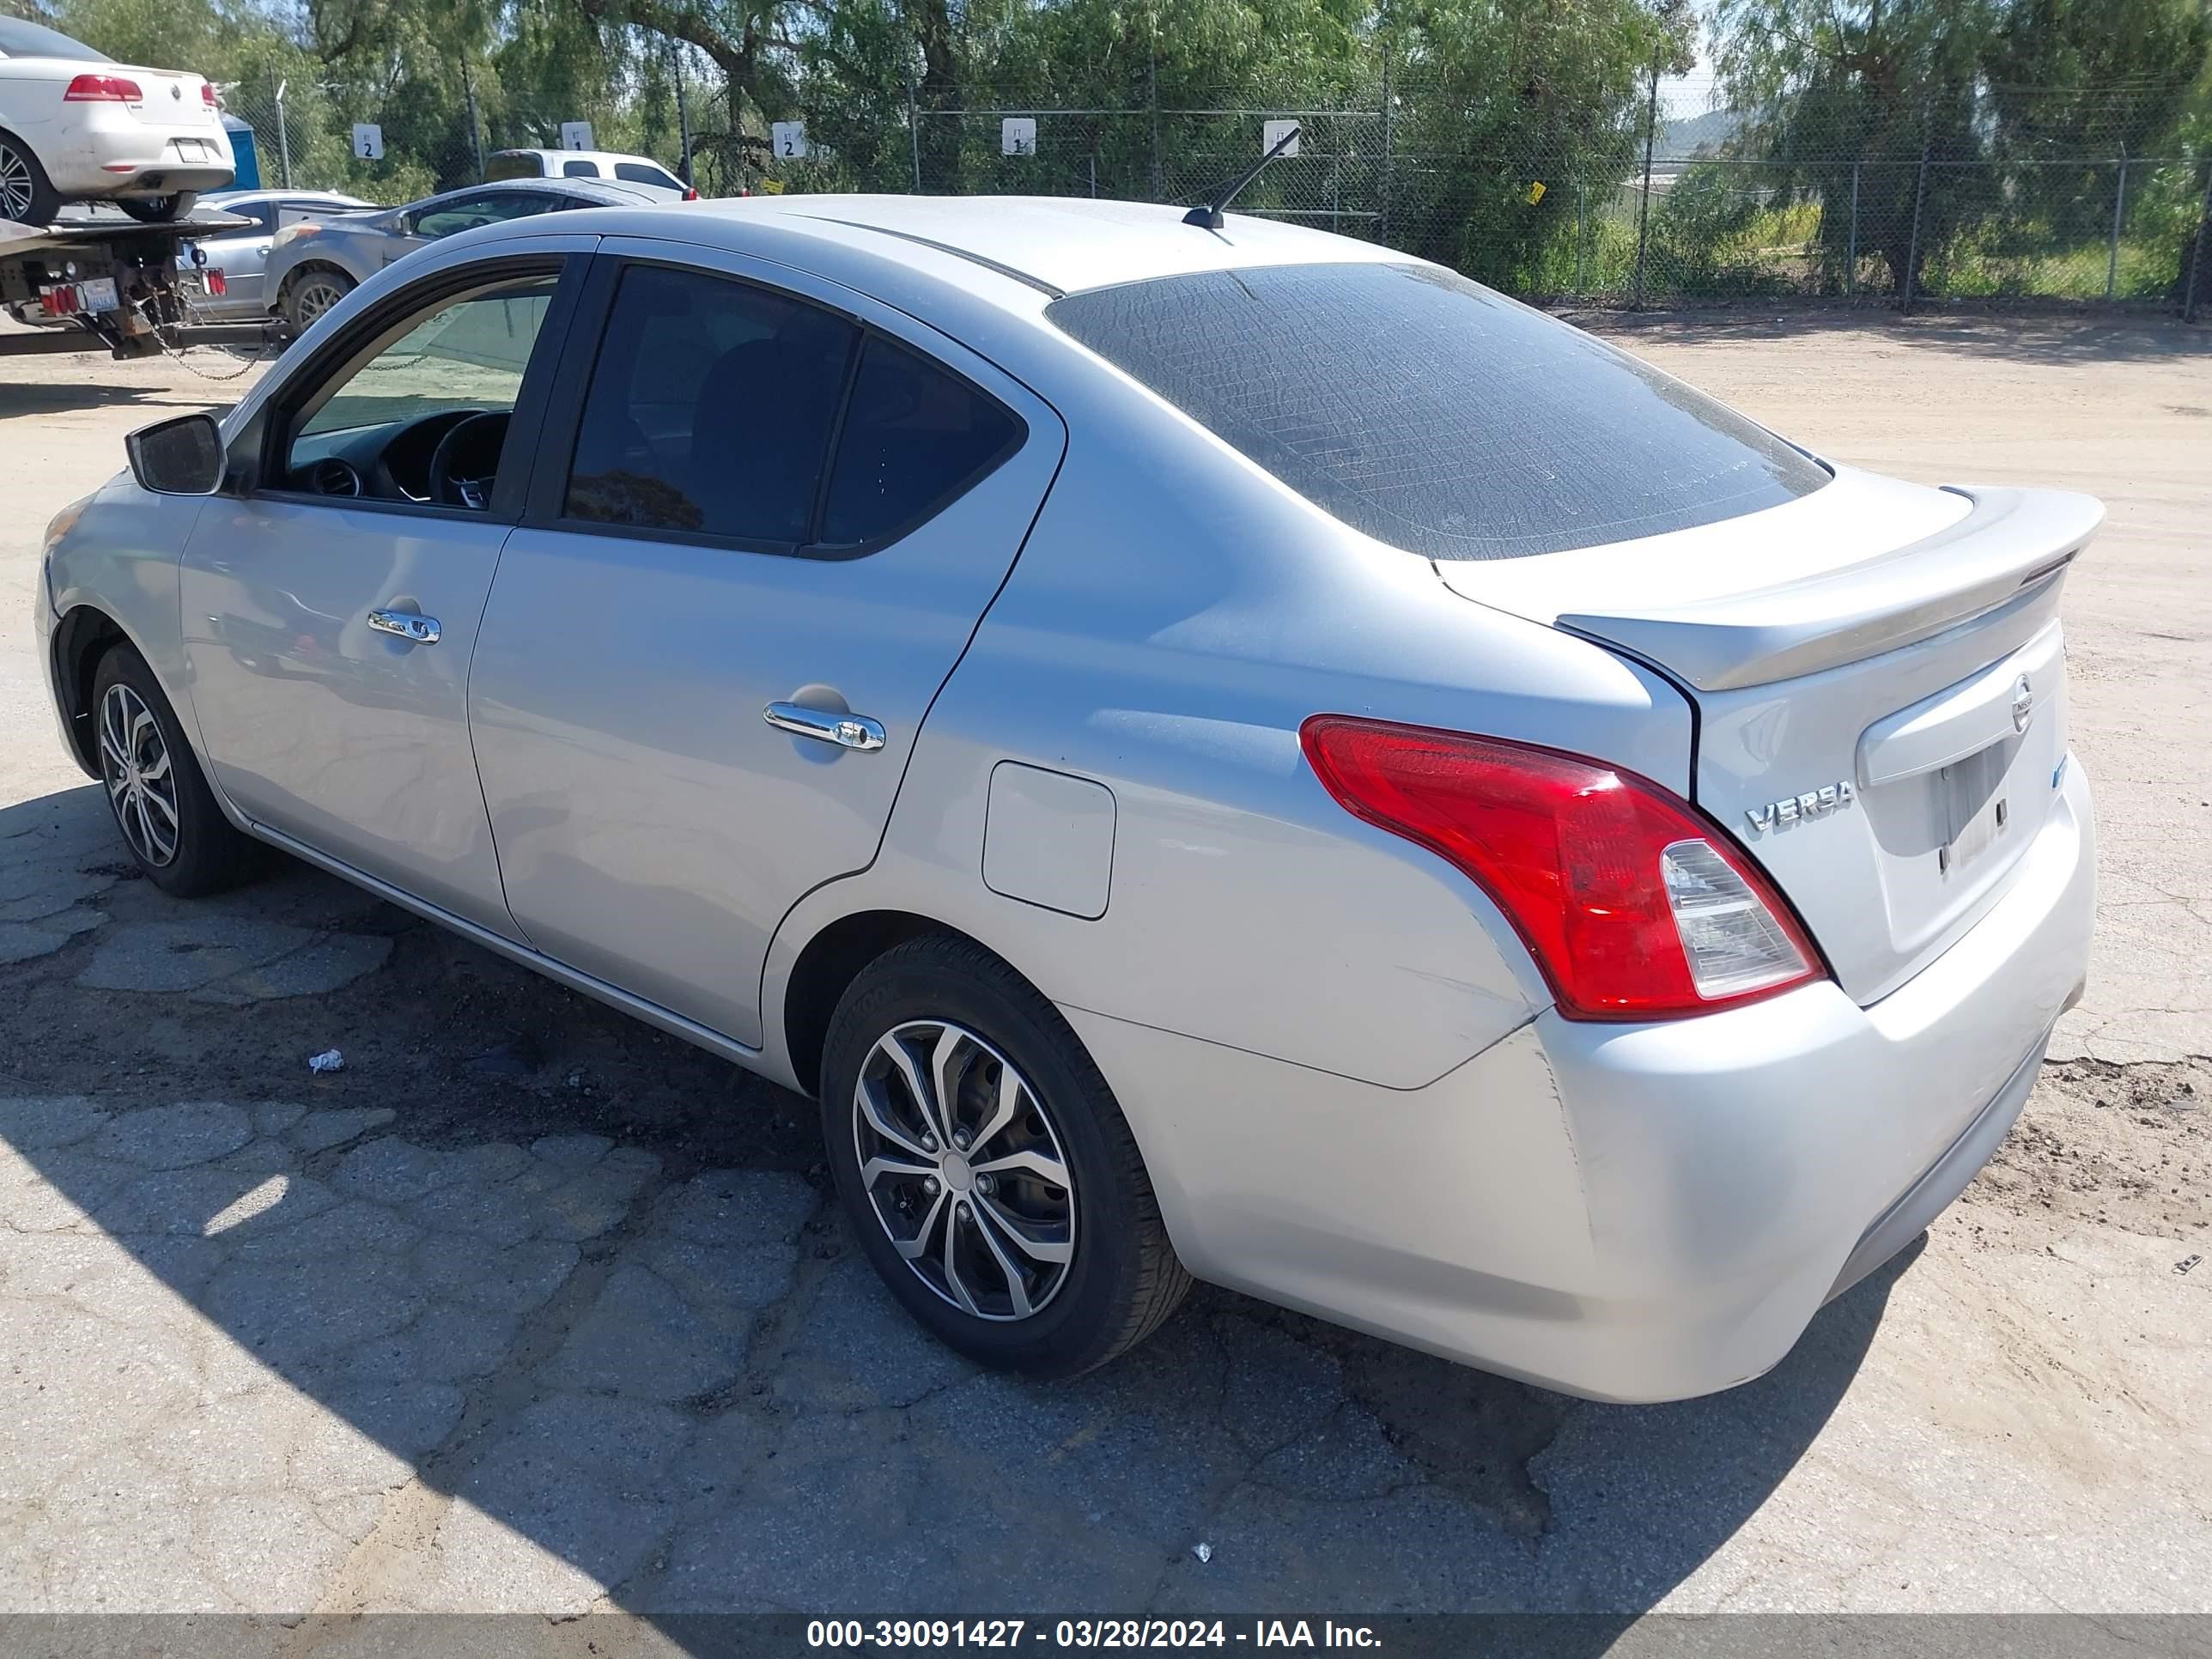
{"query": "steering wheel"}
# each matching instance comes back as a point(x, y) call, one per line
point(467, 460)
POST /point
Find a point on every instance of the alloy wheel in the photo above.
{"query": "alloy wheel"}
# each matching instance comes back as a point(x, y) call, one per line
point(316, 297)
point(16, 188)
point(963, 1167)
point(142, 784)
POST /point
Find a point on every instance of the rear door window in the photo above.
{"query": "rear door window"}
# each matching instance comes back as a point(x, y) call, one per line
point(580, 169)
point(1433, 414)
point(710, 409)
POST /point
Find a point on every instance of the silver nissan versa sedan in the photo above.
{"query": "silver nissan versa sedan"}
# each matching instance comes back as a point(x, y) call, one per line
point(1230, 753)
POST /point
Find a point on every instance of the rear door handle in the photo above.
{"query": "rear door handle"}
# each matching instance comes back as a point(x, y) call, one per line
point(846, 731)
point(421, 631)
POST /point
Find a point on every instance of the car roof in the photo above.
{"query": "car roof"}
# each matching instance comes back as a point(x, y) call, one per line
point(1062, 245)
point(607, 191)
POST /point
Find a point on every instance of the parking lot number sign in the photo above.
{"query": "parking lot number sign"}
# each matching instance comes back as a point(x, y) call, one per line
point(1273, 134)
point(367, 141)
point(1018, 135)
point(576, 135)
point(789, 138)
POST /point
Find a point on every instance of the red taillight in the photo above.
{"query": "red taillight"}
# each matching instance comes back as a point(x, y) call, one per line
point(207, 93)
point(690, 195)
point(1633, 905)
point(217, 283)
point(103, 90)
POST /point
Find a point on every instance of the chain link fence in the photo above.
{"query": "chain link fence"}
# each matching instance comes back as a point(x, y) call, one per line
point(1652, 210)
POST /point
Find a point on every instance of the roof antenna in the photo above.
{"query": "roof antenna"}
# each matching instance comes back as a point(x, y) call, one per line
point(1208, 218)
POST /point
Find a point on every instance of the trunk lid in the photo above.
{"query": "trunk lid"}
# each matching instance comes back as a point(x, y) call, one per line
point(171, 99)
point(1879, 680)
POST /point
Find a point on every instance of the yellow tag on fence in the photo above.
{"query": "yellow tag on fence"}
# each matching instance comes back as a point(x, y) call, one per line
point(772, 187)
point(1535, 192)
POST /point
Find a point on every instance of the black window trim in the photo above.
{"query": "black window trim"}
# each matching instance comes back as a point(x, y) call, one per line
point(562, 425)
point(262, 446)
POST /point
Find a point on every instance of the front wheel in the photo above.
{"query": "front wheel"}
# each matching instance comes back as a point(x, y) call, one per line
point(985, 1166)
point(159, 209)
point(176, 832)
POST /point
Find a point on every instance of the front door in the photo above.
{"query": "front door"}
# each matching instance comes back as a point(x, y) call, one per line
point(714, 638)
point(330, 610)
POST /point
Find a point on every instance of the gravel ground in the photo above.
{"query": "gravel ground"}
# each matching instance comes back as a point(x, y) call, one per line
point(529, 1308)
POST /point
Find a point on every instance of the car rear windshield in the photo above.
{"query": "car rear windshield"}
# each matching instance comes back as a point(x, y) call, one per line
point(1433, 414)
point(514, 164)
point(20, 38)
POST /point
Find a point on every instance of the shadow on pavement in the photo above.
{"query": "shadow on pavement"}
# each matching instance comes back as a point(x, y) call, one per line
point(548, 1303)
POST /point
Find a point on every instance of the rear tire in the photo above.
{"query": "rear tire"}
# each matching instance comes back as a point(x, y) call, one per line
point(170, 821)
point(1049, 1256)
point(26, 194)
point(311, 292)
point(159, 209)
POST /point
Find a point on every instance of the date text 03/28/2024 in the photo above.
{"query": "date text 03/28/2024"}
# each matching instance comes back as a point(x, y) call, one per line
point(1086, 1633)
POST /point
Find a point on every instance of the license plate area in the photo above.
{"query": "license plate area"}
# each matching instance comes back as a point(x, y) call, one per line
point(1972, 811)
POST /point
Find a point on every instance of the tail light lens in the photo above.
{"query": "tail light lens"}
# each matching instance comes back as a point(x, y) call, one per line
point(207, 93)
point(103, 90)
point(690, 195)
point(1634, 905)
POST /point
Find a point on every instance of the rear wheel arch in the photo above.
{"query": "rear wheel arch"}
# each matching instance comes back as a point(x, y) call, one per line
point(831, 961)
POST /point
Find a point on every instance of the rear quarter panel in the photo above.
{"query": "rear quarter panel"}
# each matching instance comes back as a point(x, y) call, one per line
point(1174, 617)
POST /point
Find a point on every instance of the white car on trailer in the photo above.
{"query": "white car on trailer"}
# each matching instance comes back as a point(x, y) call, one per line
point(76, 126)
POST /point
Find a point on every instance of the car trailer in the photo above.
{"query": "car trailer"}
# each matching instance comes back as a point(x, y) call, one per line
point(97, 284)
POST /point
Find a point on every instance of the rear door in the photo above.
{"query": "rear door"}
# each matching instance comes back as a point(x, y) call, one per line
point(768, 517)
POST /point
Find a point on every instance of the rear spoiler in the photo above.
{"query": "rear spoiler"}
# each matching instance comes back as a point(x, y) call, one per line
point(2011, 541)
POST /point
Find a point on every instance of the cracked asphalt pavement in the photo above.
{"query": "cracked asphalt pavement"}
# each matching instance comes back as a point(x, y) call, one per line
point(531, 1309)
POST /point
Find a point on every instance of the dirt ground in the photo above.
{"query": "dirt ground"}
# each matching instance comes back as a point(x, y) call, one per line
point(2013, 1417)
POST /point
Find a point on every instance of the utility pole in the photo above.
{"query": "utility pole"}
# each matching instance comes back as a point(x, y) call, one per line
point(1644, 206)
point(682, 113)
point(1919, 200)
point(283, 134)
point(476, 132)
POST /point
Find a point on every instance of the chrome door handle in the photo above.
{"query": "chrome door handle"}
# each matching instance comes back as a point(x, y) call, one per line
point(846, 731)
point(422, 630)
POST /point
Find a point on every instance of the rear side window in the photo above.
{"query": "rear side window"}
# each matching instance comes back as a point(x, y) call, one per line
point(710, 409)
point(637, 173)
point(580, 169)
point(914, 436)
point(1433, 414)
point(721, 408)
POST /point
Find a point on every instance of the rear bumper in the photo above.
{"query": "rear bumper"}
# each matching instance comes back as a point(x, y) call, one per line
point(111, 152)
point(1627, 1213)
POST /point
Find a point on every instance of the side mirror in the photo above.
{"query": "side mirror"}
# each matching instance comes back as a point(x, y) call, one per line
point(182, 456)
